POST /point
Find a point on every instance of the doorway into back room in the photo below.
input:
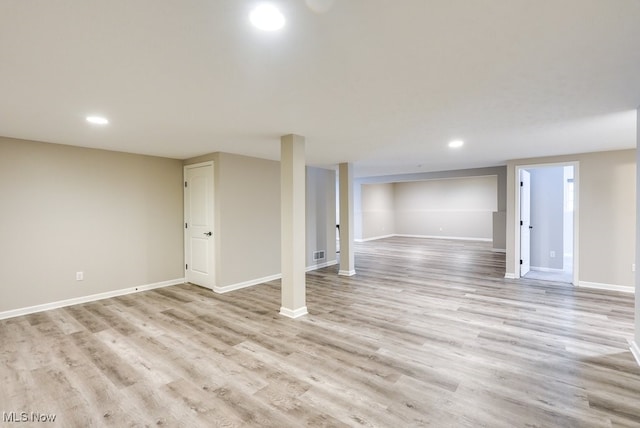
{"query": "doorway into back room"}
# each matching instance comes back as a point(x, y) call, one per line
point(547, 222)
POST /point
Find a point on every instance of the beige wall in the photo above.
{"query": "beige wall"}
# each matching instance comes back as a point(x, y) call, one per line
point(607, 209)
point(378, 210)
point(451, 207)
point(247, 217)
point(455, 207)
point(116, 217)
point(498, 217)
point(321, 215)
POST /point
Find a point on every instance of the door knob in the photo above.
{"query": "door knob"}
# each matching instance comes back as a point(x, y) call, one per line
point(208, 233)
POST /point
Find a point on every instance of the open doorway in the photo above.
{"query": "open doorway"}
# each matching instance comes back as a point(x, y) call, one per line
point(547, 222)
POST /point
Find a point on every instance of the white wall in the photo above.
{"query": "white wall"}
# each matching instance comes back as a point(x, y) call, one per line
point(116, 217)
point(607, 209)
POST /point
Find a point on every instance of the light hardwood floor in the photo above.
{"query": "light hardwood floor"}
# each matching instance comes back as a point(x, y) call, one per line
point(428, 333)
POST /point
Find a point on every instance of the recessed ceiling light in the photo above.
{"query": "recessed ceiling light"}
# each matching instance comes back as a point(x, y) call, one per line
point(267, 17)
point(456, 143)
point(97, 120)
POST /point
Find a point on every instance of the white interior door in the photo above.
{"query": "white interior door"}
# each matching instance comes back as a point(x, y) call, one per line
point(525, 222)
point(198, 217)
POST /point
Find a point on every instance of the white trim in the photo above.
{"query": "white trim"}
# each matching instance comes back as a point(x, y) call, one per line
point(402, 235)
point(510, 276)
point(375, 238)
point(245, 284)
point(455, 238)
point(611, 287)
point(86, 299)
point(185, 231)
point(635, 350)
point(499, 250)
point(322, 265)
point(546, 269)
point(293, 313)
point(576, 221)
point(257, 281)
point(346, 272)
point(252, 282)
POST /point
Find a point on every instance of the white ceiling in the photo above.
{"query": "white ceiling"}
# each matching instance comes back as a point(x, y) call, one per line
point(384, 84)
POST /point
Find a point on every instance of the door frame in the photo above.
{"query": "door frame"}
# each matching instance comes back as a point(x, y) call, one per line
point(522, 173)
point(184, 217)
point(576, 214)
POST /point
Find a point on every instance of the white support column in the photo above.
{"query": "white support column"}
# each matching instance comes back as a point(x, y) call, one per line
point(635, 343)
point(347, 259)
point(293, 229)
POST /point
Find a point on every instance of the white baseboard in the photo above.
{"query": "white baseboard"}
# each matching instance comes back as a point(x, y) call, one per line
point(455, 238)
point(322, 265)
point(375, 238)
point(293, 313)
point(610, 287)
point(510, 276)
point(346, 272)
point(87, 299)
point(546, 269)
point(402, 235)
point(635, 350)
point(252, 282)
point(245, 284)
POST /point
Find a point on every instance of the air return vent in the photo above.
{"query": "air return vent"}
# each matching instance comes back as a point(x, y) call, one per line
point(318, 255)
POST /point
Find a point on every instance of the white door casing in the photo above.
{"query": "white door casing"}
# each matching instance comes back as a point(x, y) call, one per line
point(525, 222)
point(199, 241)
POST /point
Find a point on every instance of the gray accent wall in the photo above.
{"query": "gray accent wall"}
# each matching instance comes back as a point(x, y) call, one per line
point(114, 216)
point(321, 215)
point(547, 217)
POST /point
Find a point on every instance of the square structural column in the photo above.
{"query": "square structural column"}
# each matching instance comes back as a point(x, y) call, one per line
point(347, 258)
point(635, 343)
point(293, 226)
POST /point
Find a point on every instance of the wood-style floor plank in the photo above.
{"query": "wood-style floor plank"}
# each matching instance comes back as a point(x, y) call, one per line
point(428, 333)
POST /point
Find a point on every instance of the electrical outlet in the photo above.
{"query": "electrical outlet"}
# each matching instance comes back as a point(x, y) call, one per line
point(633, 267)
point(79, 276)
point(552, 254)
